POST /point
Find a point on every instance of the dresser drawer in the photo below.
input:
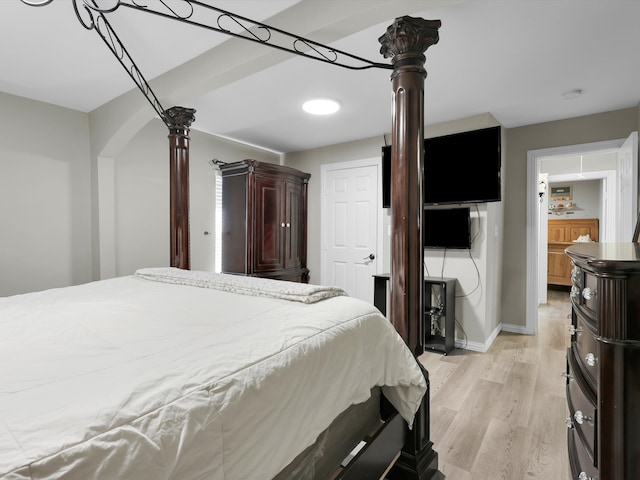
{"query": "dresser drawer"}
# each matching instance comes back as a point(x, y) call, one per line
point(585, 349)
point(579, 461)
point(584, 292)
point(590, 293)
point(582, 409)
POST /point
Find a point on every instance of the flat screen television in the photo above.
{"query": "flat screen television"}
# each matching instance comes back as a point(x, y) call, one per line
point(446, 228)
point(459, 168)
point(463, 167)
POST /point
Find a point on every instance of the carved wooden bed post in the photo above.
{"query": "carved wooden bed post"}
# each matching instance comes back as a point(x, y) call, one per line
point(179, 120)
point(406, 41)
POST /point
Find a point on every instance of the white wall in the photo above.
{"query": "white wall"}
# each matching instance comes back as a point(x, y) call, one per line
point(468, 267)
point(586, 193)
point(44, 196)
point(586, 196)
point(479, 269)
point(478, 313)
point(477, 274)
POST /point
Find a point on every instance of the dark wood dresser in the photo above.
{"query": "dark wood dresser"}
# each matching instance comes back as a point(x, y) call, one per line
point(264, 220)
point(603, 362)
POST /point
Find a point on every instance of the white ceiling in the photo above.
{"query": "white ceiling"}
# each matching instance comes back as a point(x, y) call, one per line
point(511, 58)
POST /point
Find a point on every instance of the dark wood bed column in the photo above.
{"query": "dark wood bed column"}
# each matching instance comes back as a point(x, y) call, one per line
point(406, 41)
point(179, 120)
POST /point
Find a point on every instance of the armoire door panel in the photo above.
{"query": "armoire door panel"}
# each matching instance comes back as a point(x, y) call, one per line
point(293, 219)
point(268, 222)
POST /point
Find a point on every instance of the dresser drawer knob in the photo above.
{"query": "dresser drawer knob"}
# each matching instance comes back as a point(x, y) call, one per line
point(573, 330)
point(581, 417)
point(567, 376)
point(590, 358)
point(588, 293)
point(584, 476)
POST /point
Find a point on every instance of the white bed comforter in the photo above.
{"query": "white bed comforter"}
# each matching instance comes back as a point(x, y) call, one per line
point(137, 379)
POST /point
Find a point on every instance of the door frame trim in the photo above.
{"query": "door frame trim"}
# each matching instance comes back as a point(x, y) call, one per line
point(328, 167)
point(534, 157)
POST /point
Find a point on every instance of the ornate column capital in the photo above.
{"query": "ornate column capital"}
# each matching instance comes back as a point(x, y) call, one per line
point(179, 119)
point(409, 35)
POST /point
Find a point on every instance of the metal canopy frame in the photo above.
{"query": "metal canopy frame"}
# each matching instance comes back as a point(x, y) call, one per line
point(405, 41)
point(92, 16)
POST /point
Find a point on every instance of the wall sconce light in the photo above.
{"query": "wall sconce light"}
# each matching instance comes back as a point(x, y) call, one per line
point(542, 188)
point(542, 185)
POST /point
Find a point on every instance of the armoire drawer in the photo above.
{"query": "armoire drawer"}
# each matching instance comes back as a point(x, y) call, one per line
point(585, 350)
point(582, 401)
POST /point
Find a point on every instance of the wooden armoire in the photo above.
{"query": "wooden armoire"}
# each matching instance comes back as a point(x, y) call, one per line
point(264, 220)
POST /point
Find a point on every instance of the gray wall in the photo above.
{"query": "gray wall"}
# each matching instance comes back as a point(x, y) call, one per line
point(593, 128)
point(45, 191)
point(45, 196)
point(142, 196)
point(310, 161)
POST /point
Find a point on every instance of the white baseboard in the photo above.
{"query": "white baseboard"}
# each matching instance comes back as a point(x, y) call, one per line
point(477, 346)
point(473, 346)
point(507, 327)
point(484, 347)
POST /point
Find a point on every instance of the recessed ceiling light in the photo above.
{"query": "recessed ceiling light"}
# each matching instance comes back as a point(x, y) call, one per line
point(321, 106)
point(570, 94)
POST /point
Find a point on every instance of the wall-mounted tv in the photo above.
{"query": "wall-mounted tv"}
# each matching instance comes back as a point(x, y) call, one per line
point(463, 167)
point(446, 228)
point(459, 168)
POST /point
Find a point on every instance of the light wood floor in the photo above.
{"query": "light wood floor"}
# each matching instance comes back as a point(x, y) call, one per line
point(501, 415)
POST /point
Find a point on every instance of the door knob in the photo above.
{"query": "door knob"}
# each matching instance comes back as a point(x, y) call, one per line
point(370, 257)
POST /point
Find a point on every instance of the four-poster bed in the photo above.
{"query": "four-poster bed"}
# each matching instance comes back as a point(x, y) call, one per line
point(177, 374)
point(405, 41)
